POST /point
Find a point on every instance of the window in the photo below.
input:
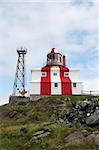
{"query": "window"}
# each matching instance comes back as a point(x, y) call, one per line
point(55, 84)
point(56, 56)
point(66, 74)
point(74, 85)
point(44, 74)
point(55, 74)
point(60, 59)
point(53, 56)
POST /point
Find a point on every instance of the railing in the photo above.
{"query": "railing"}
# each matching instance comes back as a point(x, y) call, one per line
point(90, 92)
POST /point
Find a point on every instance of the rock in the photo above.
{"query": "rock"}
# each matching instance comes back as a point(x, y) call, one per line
point(90, 138)
point(81, 119)
point(87, 106)
point(97, 139)
point(93, 119)
point(85, 132)
point(69, 116)
point(61, 120)
point(74, 137)
point(81, 105)
point(95, 132)
point(37, 97)
point(88, 114)
point(39, 134)
point(12, 114)
point(4, 112)
point(93, 138)
point(7, 112)
point(18, 100)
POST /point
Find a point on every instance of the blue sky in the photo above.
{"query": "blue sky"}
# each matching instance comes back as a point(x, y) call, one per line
point(71, 26)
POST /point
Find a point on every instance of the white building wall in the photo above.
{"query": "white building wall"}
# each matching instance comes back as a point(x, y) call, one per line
point(74, 74)
point(35, 88)
point(36, 79)
point(78, 89)
point(56, 90)
point(36, 74)
point(35, 82)
point(55, 79)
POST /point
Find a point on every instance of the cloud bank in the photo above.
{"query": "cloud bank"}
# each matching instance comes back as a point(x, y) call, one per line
point(70, 26)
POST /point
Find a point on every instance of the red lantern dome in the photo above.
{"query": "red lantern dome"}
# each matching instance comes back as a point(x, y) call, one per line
point(54, 50)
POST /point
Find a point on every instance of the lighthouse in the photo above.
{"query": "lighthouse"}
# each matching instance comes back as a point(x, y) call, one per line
point(55, 78)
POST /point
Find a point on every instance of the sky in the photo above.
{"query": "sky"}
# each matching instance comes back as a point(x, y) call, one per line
point(72, 26)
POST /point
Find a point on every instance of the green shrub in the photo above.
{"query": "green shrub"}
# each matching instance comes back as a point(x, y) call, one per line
point(24, 130)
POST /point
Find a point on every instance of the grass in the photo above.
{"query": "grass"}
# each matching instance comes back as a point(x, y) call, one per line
point(19, 138)
point(16, 132)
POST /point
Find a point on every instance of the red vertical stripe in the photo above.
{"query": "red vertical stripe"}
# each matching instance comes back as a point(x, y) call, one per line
point(45, 88)
point(66, 84)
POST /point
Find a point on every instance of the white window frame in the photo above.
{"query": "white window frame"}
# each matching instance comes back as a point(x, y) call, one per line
point(44, 74)
point(66, 74)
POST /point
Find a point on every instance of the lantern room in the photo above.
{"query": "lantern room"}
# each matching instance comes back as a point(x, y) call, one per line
point(55, 58)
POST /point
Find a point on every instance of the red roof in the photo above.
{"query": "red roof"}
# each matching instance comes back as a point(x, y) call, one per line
point(54, 50)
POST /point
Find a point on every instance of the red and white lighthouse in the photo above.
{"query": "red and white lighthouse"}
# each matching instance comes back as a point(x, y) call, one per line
point(55, 78)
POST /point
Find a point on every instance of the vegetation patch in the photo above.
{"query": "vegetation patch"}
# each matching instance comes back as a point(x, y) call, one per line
point(40, 125)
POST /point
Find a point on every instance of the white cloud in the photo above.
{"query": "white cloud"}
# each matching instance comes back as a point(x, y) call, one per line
point(91, 85)
point(27, 24)
point(4, 100)
point(41, 26)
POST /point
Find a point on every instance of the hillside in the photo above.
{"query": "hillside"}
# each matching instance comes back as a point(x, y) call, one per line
point(51, 123)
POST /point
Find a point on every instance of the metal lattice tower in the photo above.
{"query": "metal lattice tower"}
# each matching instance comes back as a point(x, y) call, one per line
point(19, 83)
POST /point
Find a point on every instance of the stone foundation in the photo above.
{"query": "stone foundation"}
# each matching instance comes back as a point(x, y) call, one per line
point(18, 99)
point(23, 99)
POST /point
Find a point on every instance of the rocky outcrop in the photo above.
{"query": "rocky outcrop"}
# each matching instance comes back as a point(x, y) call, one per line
point(23, 99)
point(40, 134)
point(64, 121)
point(87, 112)
point(93, 119)
point(12, 114)
point(73, 138)
point(4, 112)
point(83, 112)
point(97, 139)
point(93, 138)
point(18, 99)
point(78, 137)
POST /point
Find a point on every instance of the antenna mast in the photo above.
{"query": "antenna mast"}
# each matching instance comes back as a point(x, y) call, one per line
point(19, 83)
